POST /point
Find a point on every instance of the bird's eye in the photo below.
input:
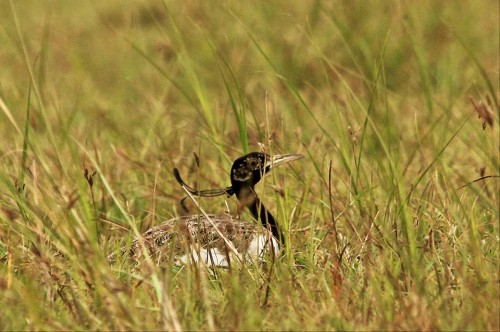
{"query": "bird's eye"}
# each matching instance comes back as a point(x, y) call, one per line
point(253, 163)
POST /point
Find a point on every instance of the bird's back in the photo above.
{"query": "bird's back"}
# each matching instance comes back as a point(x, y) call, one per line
point(193, 239)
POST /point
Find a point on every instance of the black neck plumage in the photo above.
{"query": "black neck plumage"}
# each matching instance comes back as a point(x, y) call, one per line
point(259, 212)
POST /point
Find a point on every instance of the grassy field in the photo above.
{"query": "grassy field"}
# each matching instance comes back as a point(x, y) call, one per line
point(392, 217)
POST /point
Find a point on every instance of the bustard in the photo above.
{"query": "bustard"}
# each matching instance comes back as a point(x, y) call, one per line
point(215, 239)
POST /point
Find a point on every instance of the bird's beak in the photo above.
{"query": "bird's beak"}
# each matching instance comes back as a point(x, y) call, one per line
point(281, 159)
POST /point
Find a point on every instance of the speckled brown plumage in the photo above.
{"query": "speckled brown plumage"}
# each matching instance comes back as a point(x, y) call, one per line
point(174, 239)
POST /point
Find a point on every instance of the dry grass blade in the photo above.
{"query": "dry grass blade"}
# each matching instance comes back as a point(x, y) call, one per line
point(483, 112)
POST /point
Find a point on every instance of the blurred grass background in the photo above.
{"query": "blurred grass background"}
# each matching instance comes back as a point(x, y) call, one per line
point(387, 226)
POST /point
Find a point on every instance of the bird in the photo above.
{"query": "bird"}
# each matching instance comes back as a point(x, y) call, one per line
point(215, 239)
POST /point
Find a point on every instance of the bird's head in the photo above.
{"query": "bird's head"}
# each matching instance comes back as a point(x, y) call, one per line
point(248, 170)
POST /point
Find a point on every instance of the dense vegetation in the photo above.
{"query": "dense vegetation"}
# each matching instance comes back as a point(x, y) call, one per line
point(392, 218)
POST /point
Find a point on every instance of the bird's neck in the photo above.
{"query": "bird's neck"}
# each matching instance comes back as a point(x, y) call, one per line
point(247, 197)
point(259, 212)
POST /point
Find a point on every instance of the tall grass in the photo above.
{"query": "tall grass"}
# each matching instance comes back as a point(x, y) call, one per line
point(392, 219)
